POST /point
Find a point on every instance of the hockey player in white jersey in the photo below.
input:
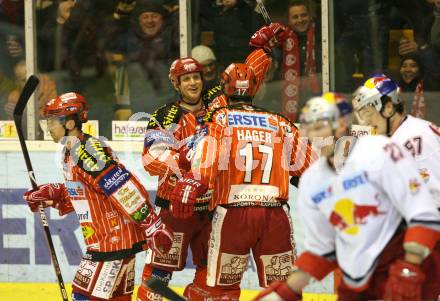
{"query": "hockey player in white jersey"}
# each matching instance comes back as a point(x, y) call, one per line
point(372, 216)
point(377, 104)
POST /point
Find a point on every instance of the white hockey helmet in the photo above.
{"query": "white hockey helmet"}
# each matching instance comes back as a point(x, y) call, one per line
point(330, 106)
point(372, 91)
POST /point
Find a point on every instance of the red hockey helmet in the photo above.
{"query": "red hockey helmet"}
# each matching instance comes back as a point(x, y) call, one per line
point(67, 104)
point(239, 80)
point(184, 66)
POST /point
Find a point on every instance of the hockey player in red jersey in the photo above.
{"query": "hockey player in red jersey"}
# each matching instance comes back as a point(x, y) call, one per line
point(169, 128)
point(371, 215)
point(112, 206)
point(244, 154)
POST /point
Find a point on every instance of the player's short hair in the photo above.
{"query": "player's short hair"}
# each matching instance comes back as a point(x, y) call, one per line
point(299, 3)
point(399, 107)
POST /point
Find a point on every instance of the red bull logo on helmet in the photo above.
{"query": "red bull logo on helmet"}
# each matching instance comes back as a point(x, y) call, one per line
point(347, 216)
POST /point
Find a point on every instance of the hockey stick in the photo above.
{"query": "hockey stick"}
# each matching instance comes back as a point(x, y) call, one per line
point(264, 12)
point(162, 289)
point(29, 88)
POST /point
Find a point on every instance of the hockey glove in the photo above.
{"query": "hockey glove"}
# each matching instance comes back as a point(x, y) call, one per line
point(184, 196)
point(278, 291)
point(47, 195)
point(264, 37)
point(159, 236)
point(404, 282)
point(185, 156)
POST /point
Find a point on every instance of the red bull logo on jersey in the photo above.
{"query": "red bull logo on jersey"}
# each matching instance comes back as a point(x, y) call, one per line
point(242, 119)
point(347, 216)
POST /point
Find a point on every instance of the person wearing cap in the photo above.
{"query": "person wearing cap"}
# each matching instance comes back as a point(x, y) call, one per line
point(207, 58)
point(149, 42)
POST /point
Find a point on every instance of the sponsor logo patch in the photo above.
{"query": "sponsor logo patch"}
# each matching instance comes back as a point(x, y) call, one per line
point(107, 279)
point(173, 258)
point(157, 136)
point(87, 231)
point(355, 181)
point(75, 190)
point(253, 195)
point(232, 267)
point(113, 180)
point(254, 120)
point(85, 274)
point(277, 267)
point(320, 196)
point(129, 197)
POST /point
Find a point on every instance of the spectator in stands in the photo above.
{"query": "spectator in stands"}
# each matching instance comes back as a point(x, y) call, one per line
point(205, 56)
point(301, 59)
point(233, 23)
point(11, 35)
point(148, 43)
point(411, 84)
point(46, 90)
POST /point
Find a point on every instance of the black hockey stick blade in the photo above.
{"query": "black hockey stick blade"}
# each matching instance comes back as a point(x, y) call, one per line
point(264, 12)
point(159, 287)
point(29, 88)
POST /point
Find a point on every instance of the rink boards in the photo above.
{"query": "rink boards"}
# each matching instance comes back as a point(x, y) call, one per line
point(23, 252)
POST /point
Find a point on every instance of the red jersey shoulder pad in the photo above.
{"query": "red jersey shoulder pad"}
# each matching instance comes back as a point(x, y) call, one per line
point(92, 155)
point(165, 116)
point(209, 95)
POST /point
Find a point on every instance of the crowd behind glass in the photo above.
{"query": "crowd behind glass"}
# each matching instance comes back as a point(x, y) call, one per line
point(117, 53)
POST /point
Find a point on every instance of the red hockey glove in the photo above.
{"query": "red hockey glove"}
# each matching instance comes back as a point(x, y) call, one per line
point(184, 196)
point(47, 195)
point(404, 282)
point(263, 38)
point(278, 291)
point(159, 235)
point(185, 155)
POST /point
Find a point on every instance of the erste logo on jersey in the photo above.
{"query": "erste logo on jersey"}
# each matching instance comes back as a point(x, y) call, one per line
point(355, 181)
point(246, 119)
point(113, 180)
point(321, 195)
